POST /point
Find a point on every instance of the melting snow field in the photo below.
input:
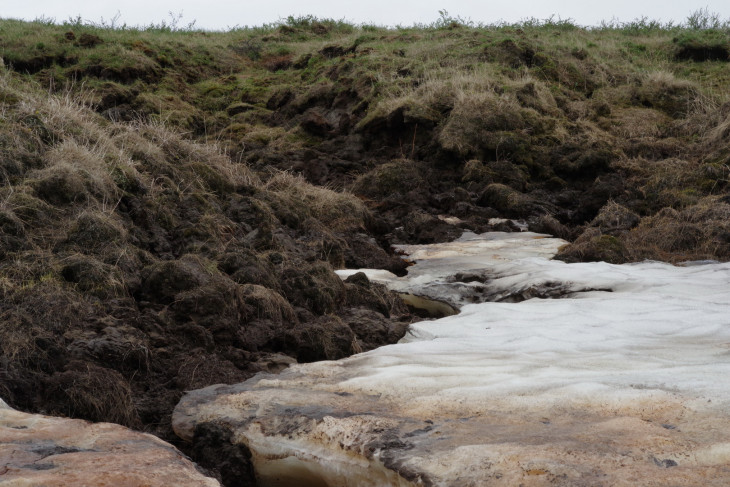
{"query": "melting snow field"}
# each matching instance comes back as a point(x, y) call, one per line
point(624, 380)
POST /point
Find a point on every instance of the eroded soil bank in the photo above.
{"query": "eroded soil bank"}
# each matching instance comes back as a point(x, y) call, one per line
point(136, 264)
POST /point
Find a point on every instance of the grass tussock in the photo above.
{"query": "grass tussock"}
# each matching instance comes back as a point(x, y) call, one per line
point(338, 211)
point(697, 232)
point(267, 303)
point(398, 177)
point(92, 392)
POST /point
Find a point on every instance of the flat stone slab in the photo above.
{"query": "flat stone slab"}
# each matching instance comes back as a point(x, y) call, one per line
point(38, 450)
point(623, 381)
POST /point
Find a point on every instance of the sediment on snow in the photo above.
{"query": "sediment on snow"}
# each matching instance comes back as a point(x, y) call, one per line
point(619, 377)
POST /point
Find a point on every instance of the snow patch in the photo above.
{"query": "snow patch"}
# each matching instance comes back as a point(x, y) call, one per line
point(627, 377)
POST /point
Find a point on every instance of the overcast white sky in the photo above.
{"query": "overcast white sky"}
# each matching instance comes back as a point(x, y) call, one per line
point(222, 14)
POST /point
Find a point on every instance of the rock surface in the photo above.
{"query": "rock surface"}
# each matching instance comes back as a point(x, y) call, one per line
point(38, 450)
point(628, 385)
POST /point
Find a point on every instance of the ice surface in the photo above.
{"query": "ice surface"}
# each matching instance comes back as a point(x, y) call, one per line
point(627, 383)
point(435, 266)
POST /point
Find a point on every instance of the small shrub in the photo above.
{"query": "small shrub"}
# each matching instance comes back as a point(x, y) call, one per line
point(703, 19)
point(314, 25)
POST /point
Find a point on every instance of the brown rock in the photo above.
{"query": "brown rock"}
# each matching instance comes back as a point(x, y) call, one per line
point(40, 450)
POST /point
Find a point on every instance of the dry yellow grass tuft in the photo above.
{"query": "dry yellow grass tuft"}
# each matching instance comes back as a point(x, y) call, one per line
point(338, 210)
point(634, 123)
point(663, 90)
point(697, 232)
point(263, 302)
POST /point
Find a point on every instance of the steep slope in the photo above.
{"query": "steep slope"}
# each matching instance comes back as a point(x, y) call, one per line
point(136, 264)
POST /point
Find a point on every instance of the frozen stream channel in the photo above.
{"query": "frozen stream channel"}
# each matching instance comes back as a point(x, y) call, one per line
point(623, 381)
